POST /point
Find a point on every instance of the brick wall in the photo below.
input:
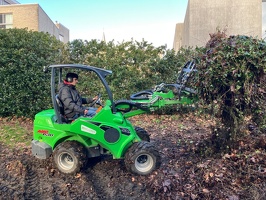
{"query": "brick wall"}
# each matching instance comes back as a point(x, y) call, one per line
point(33, 17)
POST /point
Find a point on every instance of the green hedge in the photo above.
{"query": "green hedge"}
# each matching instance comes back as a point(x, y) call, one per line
point(25, 89)
point(136, 65)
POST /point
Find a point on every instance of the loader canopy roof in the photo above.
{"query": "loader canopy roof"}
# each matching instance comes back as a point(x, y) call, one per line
point(102, 72)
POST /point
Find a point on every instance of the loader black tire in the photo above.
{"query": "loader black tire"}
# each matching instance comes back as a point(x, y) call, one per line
point(142, 158)
point(142, 133)
point(70, 157)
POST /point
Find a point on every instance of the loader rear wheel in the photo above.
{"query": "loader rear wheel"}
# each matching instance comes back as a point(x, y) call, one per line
point(70, 157)
point(142, 158)
point(142, 133)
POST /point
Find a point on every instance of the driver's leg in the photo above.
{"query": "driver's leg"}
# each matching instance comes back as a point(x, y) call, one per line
point(91, 111)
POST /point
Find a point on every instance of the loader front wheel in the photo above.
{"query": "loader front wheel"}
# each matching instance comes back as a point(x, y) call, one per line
point(70, 157)
point(142, 158)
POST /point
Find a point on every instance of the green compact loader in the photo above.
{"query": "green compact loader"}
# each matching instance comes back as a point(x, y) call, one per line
point(73, 142)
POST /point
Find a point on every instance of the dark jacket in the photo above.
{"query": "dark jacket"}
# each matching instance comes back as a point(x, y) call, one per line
point(72, 100)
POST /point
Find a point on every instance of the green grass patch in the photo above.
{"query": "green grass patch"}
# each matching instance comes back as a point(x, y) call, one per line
point(15, 136)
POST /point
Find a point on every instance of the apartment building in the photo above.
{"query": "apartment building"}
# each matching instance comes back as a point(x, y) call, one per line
point(31, 16)
point(238, 17)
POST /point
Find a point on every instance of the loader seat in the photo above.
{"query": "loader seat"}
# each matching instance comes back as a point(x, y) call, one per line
point(60, 106)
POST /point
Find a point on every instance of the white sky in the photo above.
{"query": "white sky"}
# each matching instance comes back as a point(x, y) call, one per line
point(264, 20)
point(151, 20)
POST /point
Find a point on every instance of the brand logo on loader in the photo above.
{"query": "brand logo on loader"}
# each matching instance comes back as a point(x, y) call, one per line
point(88, 130)
point(45, 133)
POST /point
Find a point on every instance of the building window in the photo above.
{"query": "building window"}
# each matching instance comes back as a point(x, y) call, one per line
point(61, 38)
point(6, 21)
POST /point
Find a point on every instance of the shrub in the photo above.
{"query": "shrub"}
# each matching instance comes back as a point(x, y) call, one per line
point(136, 65)
point(25, 89)
point(232, 80)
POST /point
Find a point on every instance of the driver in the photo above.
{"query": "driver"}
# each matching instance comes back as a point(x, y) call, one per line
point(72, 100)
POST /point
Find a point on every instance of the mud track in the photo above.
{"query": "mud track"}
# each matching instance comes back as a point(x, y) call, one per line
point(29, 178)
point(185, 172)
point(24, 177)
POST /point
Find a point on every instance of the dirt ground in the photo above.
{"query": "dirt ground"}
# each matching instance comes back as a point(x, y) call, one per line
point(187, 172)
